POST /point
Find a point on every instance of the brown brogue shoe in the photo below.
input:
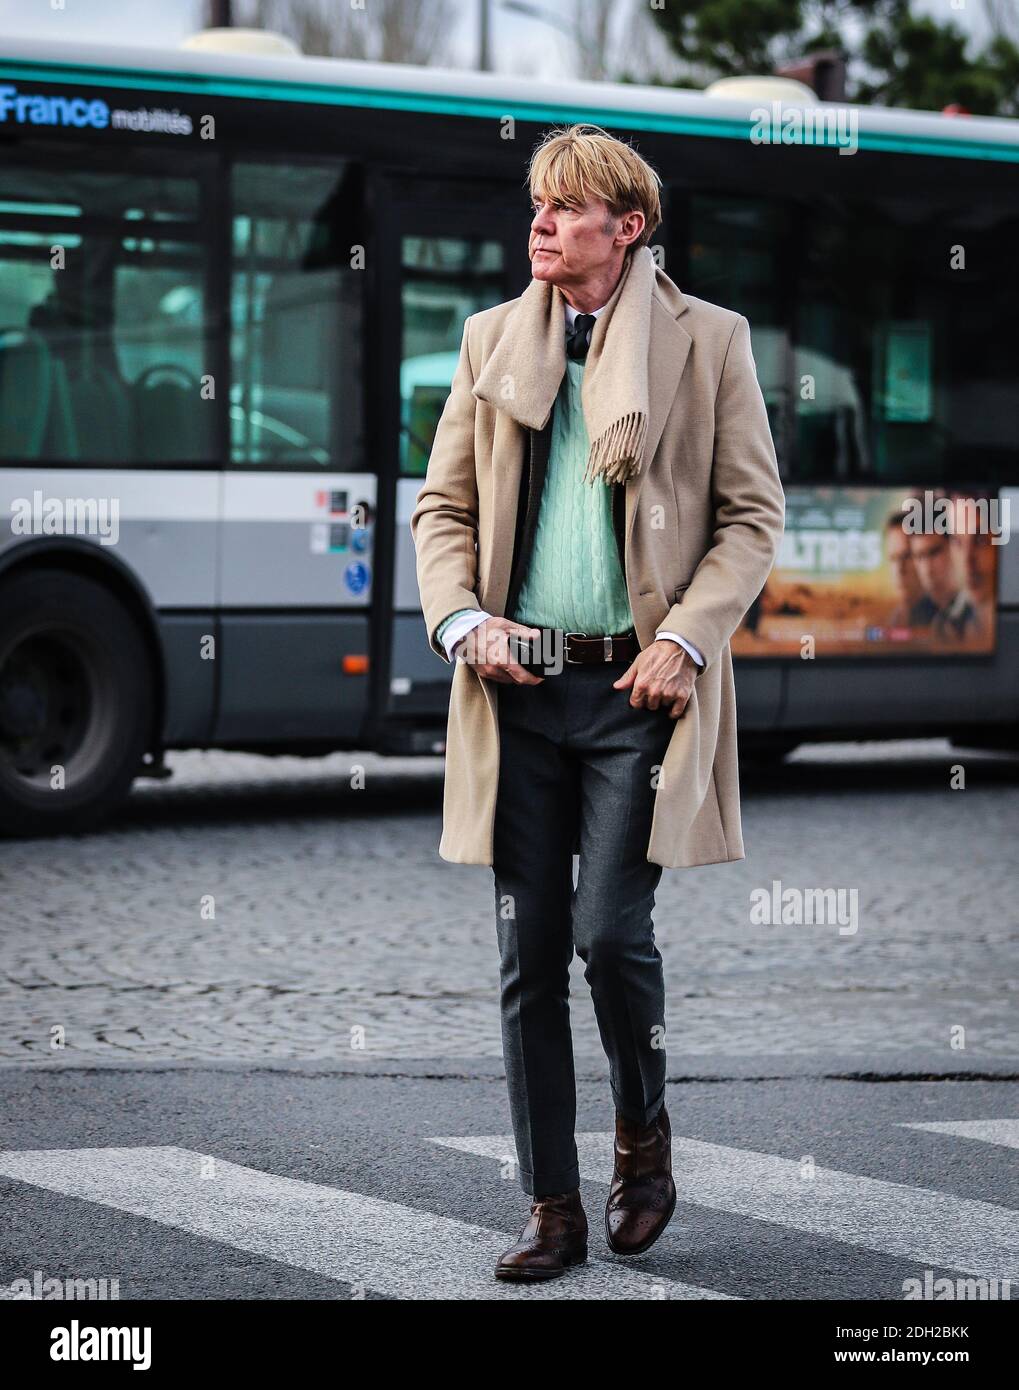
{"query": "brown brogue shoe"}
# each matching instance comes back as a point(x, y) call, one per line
point(642, 1197)
point(554, 1237)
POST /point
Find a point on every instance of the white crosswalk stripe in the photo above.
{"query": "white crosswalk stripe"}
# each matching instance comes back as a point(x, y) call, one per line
point(935, 1229)
point(1004, 1132)
point(385, 1247)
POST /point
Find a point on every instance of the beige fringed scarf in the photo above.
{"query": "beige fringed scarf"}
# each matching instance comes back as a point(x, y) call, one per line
point(524, 371)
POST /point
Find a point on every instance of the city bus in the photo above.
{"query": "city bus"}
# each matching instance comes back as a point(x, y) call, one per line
point(232, 292)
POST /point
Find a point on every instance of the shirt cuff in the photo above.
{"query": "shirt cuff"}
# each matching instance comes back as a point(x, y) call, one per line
point(457, 627)
point(457, 612)
point(687, 646)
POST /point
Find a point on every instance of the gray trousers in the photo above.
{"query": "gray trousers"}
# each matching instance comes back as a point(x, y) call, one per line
point(577, 764)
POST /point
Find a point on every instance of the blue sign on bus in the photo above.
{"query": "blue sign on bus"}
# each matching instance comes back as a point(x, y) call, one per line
point(34, 108)
point(38, 108)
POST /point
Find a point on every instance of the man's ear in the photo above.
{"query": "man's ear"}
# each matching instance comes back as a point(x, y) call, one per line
point(627, 236)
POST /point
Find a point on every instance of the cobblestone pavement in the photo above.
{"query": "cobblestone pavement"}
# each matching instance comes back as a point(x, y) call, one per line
point(339, 934)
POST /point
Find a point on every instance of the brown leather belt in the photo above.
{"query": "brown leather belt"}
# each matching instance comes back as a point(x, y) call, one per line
point(583, 649)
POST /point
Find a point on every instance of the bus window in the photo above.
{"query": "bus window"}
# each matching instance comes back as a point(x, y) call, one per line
point(445, 280)
point(101, 316)
point(296, 368)
point(908, 300)
point(844, 294)
point(735, 259)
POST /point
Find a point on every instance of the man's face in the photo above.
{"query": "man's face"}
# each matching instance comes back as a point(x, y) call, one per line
point(933, 558)
point(901, 562)
point(979, 565)
point(573, 246)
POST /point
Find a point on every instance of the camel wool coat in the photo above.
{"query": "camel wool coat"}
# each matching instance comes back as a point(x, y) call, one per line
point(703, 518)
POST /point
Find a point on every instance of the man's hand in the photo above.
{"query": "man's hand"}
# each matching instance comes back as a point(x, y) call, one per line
point(487, 648)
point(661, 676)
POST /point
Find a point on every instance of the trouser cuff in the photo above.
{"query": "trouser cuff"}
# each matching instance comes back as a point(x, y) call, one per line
point(548, 1184)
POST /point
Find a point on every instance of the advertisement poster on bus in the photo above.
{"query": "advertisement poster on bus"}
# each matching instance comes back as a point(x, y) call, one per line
point(878, 572)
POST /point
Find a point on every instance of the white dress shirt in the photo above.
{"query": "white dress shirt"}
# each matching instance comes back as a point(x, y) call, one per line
point(467, 622)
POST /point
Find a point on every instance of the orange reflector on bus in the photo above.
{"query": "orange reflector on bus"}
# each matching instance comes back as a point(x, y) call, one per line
point(355, 665)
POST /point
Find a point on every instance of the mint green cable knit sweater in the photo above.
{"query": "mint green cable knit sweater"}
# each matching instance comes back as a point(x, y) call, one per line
point(574, 579)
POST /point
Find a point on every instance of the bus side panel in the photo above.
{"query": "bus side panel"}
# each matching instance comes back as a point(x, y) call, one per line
point(927, 697)
point(295, 598)
point(162, 525)
point(190, 678)
point(283, 679)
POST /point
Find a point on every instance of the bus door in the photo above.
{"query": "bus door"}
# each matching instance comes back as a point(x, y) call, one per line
point(298, 490)
point(459, 250)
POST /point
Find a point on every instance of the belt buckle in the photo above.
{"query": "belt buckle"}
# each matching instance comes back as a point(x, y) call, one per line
point(571, 661)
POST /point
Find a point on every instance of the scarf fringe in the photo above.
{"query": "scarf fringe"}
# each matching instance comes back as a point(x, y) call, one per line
point(531, 353)
point(618, 452)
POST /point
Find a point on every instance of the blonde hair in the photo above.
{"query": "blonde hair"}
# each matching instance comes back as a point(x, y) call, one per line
point(573, 163)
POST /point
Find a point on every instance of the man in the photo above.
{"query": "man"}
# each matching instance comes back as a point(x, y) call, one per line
point(602, 483)
point(913, 607)
point(955, 617)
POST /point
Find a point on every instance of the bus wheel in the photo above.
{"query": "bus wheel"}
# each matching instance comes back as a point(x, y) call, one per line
point(76, 700)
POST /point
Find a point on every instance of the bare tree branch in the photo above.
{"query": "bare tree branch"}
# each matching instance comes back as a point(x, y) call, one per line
point(382, 31)
point(612, 39)
point(1003, 17)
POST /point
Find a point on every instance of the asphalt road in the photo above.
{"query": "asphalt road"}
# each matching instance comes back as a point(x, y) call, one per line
point(249, 1045)
point(244, 1184)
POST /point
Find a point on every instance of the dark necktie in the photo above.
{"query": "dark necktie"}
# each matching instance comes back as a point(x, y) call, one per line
point(576, 339)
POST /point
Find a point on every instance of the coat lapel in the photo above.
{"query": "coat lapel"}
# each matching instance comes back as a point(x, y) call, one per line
point(510, 475)
point(532, 481)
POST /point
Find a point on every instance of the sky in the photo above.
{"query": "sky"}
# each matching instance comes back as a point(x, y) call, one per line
point(520, 43)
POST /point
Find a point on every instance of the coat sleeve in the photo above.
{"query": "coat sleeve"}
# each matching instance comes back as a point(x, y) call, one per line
point(444, 524)
point(749, 509)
